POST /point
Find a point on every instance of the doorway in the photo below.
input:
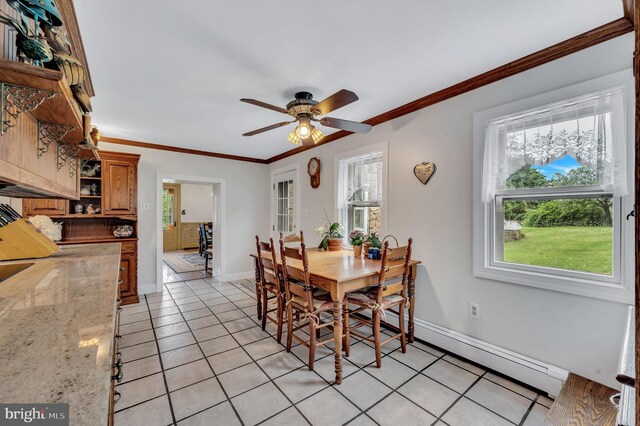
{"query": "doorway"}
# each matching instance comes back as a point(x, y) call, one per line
point(186, 207)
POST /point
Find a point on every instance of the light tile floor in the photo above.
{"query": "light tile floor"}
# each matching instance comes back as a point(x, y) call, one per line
point(195, 355)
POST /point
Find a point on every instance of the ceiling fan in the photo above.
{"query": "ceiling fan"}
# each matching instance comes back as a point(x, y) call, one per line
point(305, 111)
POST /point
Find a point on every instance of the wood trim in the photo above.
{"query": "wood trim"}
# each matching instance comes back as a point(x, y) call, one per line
point(575, 44)
point(628, 7)
point(636, 72)
point(181, 150)
point(70, 20)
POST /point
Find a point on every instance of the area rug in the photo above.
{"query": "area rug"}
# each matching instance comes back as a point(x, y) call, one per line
point(181, 261)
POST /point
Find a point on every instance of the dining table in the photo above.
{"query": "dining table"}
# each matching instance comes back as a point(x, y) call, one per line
point(340, 272)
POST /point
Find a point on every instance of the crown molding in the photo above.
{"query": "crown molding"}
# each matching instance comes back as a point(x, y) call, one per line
point(181, 150)
point(575, 44)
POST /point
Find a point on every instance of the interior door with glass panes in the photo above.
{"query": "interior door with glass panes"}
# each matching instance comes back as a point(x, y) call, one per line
point(170, 216)
point(284, 217)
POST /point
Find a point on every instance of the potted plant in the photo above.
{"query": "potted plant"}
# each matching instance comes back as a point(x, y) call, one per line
point(331, 235)
point(371, 241)
point(356, 239)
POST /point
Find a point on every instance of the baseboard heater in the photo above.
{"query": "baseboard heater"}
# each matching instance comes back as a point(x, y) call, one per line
point(540, 375)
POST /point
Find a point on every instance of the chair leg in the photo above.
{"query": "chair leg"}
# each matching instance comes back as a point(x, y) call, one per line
point(264, 309)
point(403, 336)
point(347, 333)
point(376, 335)
point(279, 312)
point(312, 343)
point(289, 326)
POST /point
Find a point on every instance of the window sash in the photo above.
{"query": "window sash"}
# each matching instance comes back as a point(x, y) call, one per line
point(606, 150)
point(495, 232)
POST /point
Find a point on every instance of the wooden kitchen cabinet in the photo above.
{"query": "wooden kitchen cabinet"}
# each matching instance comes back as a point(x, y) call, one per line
point(45, 206)
point(129, 272)
point(119, 183)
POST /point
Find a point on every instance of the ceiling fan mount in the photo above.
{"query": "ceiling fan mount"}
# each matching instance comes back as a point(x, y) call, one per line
point(305, 110)
point(302, 104)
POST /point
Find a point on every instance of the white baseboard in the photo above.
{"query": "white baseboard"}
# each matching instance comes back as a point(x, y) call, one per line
point(239, 276)
point(540, 375)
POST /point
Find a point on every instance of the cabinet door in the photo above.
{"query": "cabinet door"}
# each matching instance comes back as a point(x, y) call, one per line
point(128, 275)
point(119, 183)
point(45, 206)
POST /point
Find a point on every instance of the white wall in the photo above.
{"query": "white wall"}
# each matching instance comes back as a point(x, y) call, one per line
point(15, 203)
point(245, 204)
point(576, 333)
point(196, 201)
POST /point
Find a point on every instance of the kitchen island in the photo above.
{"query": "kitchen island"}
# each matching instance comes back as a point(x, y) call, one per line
point(58, 319)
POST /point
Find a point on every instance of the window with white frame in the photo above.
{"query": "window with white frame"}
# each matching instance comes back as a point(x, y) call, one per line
point(552, 181)
point(360, 193)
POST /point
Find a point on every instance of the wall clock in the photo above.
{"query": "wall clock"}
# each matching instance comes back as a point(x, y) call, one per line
point(313, 168)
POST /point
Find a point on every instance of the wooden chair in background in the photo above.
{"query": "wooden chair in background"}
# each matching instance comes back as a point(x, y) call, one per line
point(390, 292)
point(205, 242)
point(302, 300)
point(271, 286)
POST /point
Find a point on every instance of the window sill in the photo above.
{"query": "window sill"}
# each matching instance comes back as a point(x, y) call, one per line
point(593, 288)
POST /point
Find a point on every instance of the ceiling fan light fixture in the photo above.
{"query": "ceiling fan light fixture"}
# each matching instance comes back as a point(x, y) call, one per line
point(304, 128)
point(293, 137)
point(316, 135)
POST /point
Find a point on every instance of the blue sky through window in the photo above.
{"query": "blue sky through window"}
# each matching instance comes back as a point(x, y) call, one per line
point(562, 165)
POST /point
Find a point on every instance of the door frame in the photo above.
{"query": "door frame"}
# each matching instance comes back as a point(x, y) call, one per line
point(177, 215)
point(293, 167)
point(219, 261)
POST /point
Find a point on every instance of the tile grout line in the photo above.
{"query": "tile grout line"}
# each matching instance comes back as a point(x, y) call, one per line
point(210, 367)
point(261, 369)
point(249, 296)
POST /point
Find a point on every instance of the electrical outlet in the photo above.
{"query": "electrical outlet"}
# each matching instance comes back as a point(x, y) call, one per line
point(305, 213)
point(474, 310)
point(144, 206)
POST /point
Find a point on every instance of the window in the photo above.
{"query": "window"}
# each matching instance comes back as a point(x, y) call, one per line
point(550, 196)
point(360, 190)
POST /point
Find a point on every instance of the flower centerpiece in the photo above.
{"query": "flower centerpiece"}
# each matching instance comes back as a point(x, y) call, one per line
point(356, 239)
point(372, 240)
point(331, 235)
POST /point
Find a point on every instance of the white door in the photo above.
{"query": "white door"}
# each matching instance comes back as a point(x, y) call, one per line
point(284, 204)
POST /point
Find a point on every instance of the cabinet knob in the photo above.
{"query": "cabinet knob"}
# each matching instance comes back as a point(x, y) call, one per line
point(116, 397)
point(122, 268)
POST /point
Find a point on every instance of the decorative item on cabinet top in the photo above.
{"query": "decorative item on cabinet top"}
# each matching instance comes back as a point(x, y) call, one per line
point(424, 172)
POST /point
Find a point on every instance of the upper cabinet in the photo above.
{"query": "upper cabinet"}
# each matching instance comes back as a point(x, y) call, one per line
point(46, 95)
point(119, 183)
point(47, 207)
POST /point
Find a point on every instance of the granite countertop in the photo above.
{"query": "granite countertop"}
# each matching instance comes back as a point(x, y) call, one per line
point(57, 322)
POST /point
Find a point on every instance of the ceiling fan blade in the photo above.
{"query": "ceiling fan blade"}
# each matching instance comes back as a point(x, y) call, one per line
point(335, 101)
point(351, 126)
point(265, 129)
point(264, 105)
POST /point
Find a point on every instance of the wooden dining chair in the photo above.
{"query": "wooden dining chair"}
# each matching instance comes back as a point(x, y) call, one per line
point(391, 292)
point(303, 300)
point(291, 238)
point(271, 286)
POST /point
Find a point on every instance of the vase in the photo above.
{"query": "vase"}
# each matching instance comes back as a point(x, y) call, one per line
point(335, 244)
point(357, 251)
point(365, 248)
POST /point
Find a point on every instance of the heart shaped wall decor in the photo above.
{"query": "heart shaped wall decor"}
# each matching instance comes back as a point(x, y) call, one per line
point(424, 172)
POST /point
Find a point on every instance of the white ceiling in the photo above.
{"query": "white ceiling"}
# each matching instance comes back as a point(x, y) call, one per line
point(174, 75)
